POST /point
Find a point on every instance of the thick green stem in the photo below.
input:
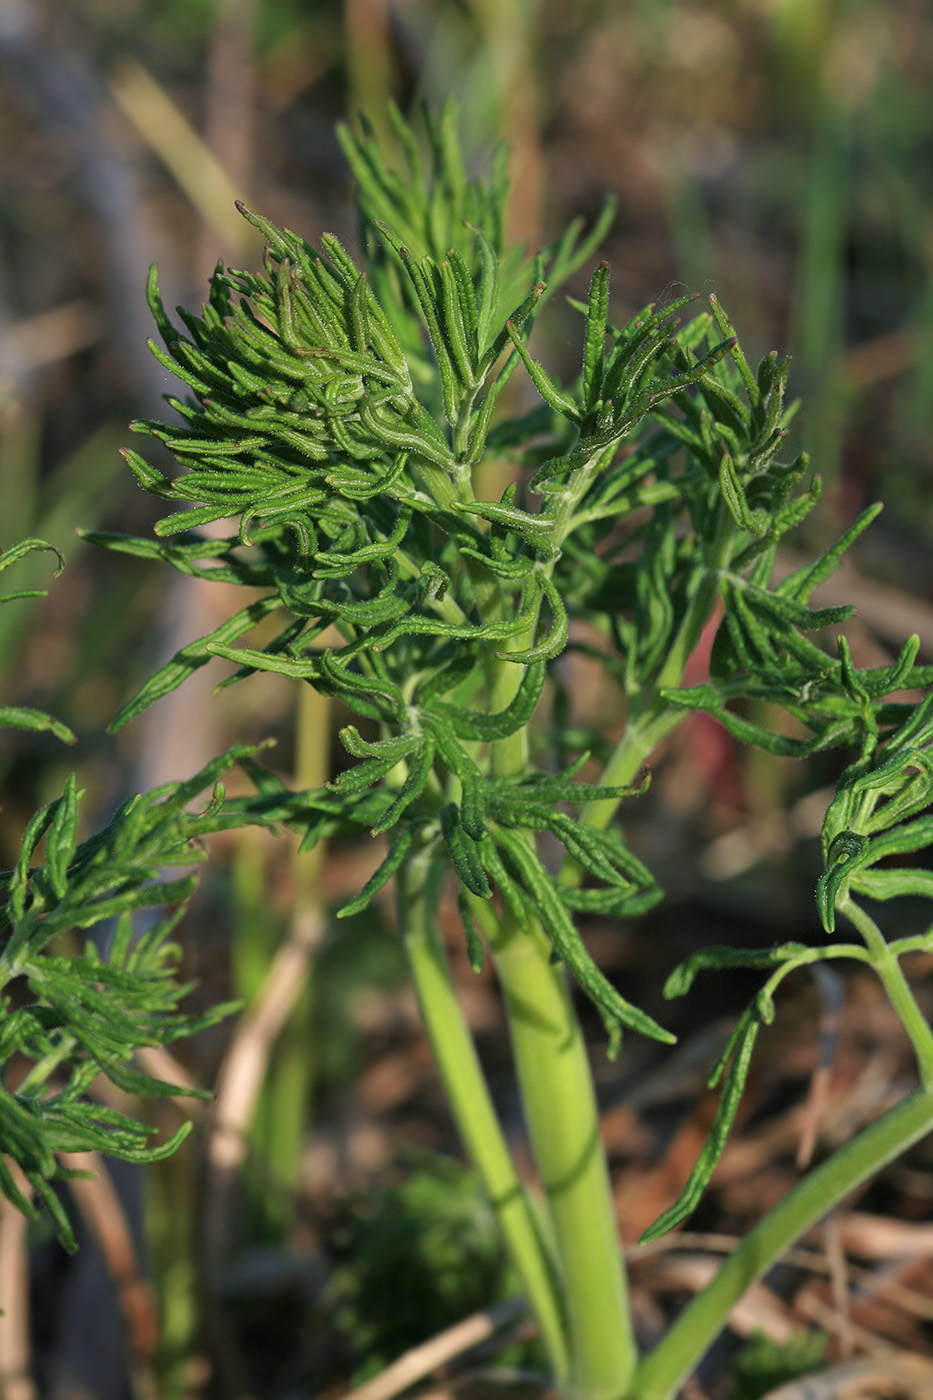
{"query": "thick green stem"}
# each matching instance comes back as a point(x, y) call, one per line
point(887, 965)
point(417, 885)
point(560, 1110)
point(562, 1118)
point(676, 1356)
point(563, 1124)
point(551, 1061)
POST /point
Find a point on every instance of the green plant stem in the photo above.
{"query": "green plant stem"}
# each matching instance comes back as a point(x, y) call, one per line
point(551, 1063)
point(562, 1117)
point(560, 1108)
point(674, 1359)
point(563, 1124)
point(656, 717)
point(550, 1056)
point(417, 886)
point(887, 965)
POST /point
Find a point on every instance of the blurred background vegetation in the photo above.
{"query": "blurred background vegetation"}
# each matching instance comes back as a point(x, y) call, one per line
point(775, 151)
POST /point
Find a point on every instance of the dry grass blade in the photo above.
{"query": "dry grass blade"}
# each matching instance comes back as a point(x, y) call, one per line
point(242, 1073)
point(423, 1360)
point(240, 1082)
point(761, 1310)
point(831, 1319)
point(894, 1378)
point(875, 1237)
point(106, 1220)
point(868, 1281)
point(50, 336)
point(15, 1380)
point(839, 1280)
point(163, 126)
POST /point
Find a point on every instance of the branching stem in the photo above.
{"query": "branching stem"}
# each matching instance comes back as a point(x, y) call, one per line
point(563, 1122)
point(887, 965)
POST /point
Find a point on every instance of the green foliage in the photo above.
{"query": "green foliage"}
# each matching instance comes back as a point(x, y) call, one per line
point(873, 816)
point(764, 1364)
point(432, 1228)
point(68, 1013)
point(876, 813)
point(338, 407)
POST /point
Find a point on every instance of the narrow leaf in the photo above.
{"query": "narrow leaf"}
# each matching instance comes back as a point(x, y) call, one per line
point(397, 853)
point(463, 852)
point(595, 340)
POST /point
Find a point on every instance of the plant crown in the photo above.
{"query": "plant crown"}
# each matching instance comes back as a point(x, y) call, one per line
point(343, 411)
